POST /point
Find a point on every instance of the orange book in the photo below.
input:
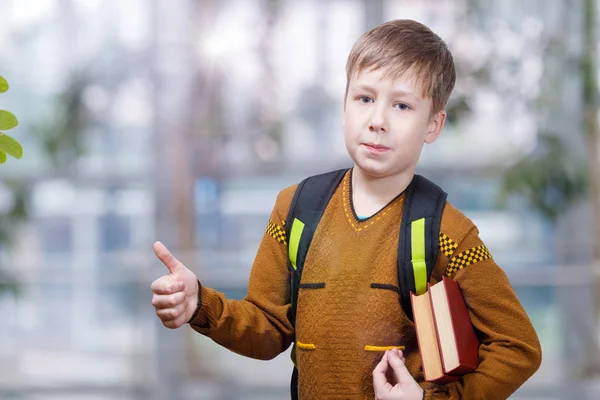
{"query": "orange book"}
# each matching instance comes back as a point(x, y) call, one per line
point(447, 341)
point(431, 361)
point(457, 342)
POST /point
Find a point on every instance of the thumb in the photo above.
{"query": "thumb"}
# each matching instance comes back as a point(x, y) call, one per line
point(173, 264)
point(400, 371)
point(380, 381)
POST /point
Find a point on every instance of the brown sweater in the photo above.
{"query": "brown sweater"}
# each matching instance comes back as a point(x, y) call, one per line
point(343, 328)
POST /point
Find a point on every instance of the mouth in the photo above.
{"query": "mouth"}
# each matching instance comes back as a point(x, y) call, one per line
point(375, 148)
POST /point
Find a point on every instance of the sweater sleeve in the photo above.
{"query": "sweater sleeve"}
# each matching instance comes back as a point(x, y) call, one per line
point(258, 325)
point(509, 351)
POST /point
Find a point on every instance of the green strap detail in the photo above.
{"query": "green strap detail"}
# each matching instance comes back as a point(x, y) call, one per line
point(297, 228)
point(417, 240)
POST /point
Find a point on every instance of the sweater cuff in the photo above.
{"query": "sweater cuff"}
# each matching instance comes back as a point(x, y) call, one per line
point(198, 304)
point(208, 303)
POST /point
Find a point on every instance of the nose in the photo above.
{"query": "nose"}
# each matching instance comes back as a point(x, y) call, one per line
point(378, 122)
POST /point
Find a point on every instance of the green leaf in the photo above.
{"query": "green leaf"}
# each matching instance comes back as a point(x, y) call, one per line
point(3, 84)
point(2, 157)
point(10, 146)
point(7, 120)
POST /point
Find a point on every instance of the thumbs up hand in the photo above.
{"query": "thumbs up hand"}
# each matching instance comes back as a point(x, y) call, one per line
point(175, 296)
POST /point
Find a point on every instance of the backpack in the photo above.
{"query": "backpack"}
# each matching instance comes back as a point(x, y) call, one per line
point(418, 244)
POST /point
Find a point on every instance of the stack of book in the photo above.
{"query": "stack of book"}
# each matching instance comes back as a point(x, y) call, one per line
point(447, 341)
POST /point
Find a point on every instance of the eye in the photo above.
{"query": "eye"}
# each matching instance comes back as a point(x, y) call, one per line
point(365, 99)
point(402, 106)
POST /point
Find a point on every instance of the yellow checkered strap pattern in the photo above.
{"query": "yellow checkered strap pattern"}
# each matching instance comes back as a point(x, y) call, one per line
point(466, 258)
point(276, 232)
point(447, 245)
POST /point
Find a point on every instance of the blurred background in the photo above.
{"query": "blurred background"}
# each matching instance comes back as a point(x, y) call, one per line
point(180, 120)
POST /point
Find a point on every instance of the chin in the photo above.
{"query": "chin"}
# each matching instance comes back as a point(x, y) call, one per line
point(374, 171)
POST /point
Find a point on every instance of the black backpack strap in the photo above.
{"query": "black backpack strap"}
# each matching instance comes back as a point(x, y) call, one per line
point(309, 203)
point(424, 199)
point(294, 384)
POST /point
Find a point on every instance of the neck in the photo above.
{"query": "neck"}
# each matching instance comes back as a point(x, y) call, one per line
point(383, 189)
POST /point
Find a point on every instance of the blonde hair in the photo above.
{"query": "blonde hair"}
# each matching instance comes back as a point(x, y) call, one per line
point(405, 46)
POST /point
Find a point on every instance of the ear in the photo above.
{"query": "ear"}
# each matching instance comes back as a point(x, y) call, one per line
point(435, 126)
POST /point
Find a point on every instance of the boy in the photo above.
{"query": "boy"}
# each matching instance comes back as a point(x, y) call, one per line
point(399, 77)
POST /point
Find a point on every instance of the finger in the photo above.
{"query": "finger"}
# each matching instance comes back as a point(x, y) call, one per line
point(380, 381)
point(176, 323)
point(170, 314)
point(167, 300)
point(173, 264)
point(400, 371)
point(400, 354)
point(167, 285)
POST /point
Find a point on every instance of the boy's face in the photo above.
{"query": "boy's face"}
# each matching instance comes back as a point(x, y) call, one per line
point(386, 122)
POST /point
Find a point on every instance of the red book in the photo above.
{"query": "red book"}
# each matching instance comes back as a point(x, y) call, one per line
point(447, 341)
point(458, 344)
